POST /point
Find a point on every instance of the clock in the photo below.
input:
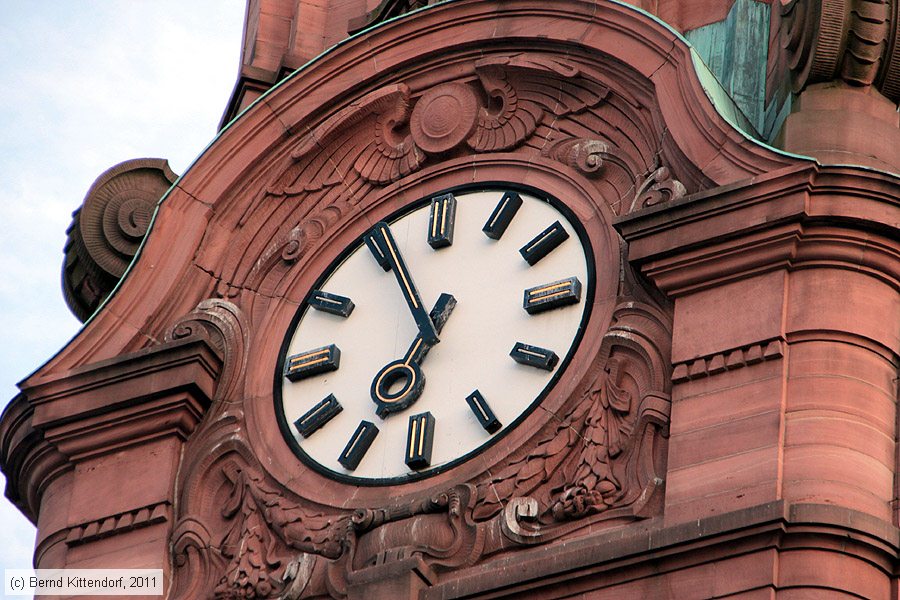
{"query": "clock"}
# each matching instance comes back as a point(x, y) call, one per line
point(435, 334)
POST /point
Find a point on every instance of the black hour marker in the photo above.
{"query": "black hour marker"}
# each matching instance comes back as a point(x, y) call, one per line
point(313, 362)
point(358, 445)
point(318, 415)
point(440, 225)
point(534, 357)
point(502, 216)
point(544, 243)
point(483, 412)
point(331, 303)
point(552, 295)
point(419, 440)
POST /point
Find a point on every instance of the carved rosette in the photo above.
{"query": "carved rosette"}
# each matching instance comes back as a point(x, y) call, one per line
point(108, 228)
point(444, 117)
point(849, 40)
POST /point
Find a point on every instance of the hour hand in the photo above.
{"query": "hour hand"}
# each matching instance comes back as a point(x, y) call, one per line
point(383, 247)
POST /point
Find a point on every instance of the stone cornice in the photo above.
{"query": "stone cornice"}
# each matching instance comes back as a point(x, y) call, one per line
point(625, 553)
point(26, 458)
point(101, 408)
point(794, 218)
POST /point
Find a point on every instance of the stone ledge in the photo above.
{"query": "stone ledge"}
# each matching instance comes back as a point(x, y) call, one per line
point(765, 526)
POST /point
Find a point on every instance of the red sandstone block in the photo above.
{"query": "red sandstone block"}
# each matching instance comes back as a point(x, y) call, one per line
point(277, 7)
point(766, 593)
point(842, 359)
point(706, 322)
point(146, 549)
point(694, 508)
point(126, 480)
point(818, 427)
point(723, 475)
point(745, 572)
point(820, 297)
point(840, 394)
point(834, 492)
point(838, 571)
point(837, 476)
point(686, 16)
point(711, 401)
point(731, 437)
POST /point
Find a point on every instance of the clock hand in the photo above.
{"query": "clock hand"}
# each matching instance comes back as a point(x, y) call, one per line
point(381, 242)
point(407, 369)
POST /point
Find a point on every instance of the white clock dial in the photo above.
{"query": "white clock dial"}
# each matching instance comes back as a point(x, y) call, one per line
point(352, 397)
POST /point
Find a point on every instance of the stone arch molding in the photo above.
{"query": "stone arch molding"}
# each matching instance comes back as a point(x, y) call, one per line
point(594, 97)
point(634, 123)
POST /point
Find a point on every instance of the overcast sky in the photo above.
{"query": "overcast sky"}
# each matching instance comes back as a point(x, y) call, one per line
point(89, 84)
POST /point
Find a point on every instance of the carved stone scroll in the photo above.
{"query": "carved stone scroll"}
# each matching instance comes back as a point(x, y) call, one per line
point(524, 89)
point(583, 154)
point(108, 228)
point(657, 188)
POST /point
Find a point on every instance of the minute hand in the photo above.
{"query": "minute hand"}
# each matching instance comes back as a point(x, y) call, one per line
point(381, 242)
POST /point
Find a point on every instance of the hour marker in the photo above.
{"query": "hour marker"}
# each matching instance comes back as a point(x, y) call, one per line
point(440, 225)
point(552, 295)
point(534, 356)
point(419, 440)
point(483, 412)
point(331, 303)
point(502, 216)
point(313, 362)
point(358, 445)
point(318, 415)
point(544, 243)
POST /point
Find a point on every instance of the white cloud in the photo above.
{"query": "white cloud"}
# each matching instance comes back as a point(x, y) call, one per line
point(89, 84)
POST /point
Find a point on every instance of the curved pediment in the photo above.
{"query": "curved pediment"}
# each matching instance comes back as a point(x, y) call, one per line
point(600, 88)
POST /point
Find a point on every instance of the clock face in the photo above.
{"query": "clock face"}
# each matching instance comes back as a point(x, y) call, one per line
point(434, 335)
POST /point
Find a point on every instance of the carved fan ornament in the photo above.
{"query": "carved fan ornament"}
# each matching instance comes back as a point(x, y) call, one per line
point(499, 111)
point(241, 533)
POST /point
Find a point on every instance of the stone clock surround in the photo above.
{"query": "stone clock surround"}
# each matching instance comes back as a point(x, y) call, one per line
point(714, 221)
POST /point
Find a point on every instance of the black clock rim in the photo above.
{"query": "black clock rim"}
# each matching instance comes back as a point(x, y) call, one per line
point(485, 186)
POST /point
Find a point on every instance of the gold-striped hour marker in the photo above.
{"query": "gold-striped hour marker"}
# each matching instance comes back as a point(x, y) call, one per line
point(331, 303)
point(534, 356)
point(312, 362)
point(552, 295)
point(481, 410)
point(358, 445)
point(441, 221)
point(502, 216)
point(544, 243)
point(419, 440)
point(318, 415)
